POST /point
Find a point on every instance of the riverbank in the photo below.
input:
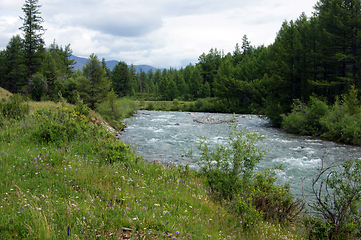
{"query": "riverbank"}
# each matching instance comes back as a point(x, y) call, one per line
point(72, 180)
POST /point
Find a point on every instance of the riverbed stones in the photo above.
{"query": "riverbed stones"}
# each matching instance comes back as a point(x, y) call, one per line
point(211, 120)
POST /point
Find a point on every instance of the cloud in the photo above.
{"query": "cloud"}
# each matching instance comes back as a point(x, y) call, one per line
point(161, 33)
point(130, 24)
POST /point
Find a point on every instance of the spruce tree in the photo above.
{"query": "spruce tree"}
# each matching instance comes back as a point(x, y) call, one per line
point(33, 32)
point(98, 82)
point(121, 80)
point(14, 67)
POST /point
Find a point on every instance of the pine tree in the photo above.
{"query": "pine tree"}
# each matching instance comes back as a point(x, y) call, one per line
point(2, 68)
point(195, 83)
point(15, 69)
point(120, 79)
point(99, 83)
point(33, 31)
point(340, 21)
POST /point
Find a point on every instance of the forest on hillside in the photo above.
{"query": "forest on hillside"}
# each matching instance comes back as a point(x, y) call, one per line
point(315, 57)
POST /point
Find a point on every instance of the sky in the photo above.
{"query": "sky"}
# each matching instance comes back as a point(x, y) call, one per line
point(159, 33)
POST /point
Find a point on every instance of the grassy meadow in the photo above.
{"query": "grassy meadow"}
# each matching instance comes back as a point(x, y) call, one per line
point(63, 177)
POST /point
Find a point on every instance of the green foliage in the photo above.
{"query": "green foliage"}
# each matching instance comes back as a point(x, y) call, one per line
point(80, 107)
point(33, 31)
point(13, 108)
point(96, 85)
point(150, 106)
point(121, 82)
point(247, 211)
point(94, 187)
point(337, 201)
point(274, 201)
point(351, 101)
point(67, 88)
point(229, 167)
point(142, 103)
point(38, 86)
point(111, 110)
point(14, 67)
point(317, 228)
point(305, 119)
point(228, 170)
point(340, 122)
point(60, 126)
point(113, 151)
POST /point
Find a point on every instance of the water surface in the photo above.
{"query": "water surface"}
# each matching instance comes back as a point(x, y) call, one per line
point(166, 136)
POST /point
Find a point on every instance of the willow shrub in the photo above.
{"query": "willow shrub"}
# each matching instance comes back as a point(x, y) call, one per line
point(337, 207)
point(229, 172)
point(339, 122)
point(341, 125)
point(305, 119)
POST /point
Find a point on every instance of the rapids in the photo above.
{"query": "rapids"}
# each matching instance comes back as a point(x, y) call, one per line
point(167, 136)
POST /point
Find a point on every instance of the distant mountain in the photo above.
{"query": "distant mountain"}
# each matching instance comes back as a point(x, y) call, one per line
point(80, 62)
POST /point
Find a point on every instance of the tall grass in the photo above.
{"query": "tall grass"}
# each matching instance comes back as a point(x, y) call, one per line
point(87, 185)
point(4, 94)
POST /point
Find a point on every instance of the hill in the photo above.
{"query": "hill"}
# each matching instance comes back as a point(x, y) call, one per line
point(80, 62)
point(4, 93)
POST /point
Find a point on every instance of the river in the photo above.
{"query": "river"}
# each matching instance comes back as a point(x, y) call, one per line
point(166, 136)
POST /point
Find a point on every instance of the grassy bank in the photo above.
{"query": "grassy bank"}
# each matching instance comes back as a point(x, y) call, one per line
point(66, 178)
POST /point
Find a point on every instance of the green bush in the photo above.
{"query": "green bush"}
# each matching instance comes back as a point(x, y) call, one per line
point(341, 126)
point(274, 201)
point(337, 194)
point(150, 106)
point(38, 86)
point(62, 125)
point(113, 151)
point(229, 167)
point(247, 211)
point(339, 122)
point(14, 108)
point(228, 170)
point(305, 119)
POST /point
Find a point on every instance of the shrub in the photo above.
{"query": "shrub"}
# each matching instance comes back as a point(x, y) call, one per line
point(63, 124)
point(175, 106)
point(142, 103)
point(338, 194)
point(150, 106)
point(14, 108)
point(229, 167)
point(274, 201)
point(228, 170)
point(305, 119)
point(38, 86)
point(113, 151)
point(247, 211)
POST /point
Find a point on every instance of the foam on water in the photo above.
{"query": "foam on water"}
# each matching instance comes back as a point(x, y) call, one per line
point(167, 136)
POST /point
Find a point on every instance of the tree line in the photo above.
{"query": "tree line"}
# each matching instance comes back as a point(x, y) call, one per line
point(315, 56)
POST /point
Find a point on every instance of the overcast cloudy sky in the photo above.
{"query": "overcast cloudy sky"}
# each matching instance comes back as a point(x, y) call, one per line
point(160, 33)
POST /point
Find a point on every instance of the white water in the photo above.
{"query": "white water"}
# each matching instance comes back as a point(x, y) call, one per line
point(166, 136)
